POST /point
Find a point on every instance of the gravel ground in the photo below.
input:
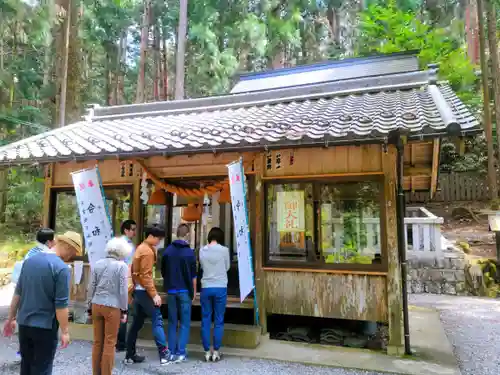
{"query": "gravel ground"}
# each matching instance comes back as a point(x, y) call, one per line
point(473, 327)
point(76, 361)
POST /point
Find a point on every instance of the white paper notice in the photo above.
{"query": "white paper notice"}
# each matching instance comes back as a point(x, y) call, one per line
point(240, 216)
point(78, 271)
point(97, 229)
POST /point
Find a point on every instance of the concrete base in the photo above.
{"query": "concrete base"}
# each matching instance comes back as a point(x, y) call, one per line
point(433, 353)
point(235, 336)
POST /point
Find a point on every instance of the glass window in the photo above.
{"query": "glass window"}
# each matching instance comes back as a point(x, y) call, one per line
point(290, 212)
point(324, 224)
point(350, 223)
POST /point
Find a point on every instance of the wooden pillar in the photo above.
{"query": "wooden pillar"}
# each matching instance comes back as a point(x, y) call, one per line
point(259, 222)
point(47, 196)
point(136, 209)
point(395, 345)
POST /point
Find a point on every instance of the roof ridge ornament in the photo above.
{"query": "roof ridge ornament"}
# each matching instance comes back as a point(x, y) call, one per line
point(433, 70)
point(90, 111)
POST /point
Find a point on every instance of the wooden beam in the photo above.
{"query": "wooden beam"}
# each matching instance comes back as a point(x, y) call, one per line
point(335, 272)
point(259, 220)
point(49, 179)
point(330, 175)
point(394, 294)
point(412, 154)
point(435, 166)
point(417, 171)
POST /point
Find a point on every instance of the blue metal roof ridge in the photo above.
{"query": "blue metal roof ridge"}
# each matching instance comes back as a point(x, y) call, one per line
point(327, 64)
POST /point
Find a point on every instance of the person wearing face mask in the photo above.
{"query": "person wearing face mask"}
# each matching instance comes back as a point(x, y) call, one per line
point(40, 304)
point(146, 300)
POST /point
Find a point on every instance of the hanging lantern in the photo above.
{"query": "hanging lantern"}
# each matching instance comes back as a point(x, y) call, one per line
point(225, 195)
point(158, 198)
point(192, 212)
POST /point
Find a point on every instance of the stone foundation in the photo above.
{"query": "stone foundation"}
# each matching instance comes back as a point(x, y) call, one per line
point(442, 274)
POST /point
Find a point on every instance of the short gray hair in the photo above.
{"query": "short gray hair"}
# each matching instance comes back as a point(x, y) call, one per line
point(118, 247)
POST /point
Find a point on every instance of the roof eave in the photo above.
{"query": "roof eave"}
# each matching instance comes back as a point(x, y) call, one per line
point(307, 143)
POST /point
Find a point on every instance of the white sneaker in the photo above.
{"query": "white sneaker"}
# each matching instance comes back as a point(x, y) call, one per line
point(208, 356)
point(216, 356)
point(181, 358)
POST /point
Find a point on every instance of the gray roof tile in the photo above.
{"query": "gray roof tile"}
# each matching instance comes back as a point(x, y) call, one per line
point(230, 123)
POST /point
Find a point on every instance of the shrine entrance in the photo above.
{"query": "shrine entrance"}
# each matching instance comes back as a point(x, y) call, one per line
point(201, 214)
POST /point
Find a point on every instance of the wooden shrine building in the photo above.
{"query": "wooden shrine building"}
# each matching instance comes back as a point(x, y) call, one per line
point(336, 139)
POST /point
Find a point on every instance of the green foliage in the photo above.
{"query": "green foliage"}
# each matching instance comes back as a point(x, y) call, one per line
point(388, 29)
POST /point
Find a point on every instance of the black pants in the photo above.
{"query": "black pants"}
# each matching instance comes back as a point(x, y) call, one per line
point(38, 348)
point(121, 342)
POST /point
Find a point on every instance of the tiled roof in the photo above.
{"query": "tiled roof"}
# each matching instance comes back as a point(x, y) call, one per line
point(350, 111)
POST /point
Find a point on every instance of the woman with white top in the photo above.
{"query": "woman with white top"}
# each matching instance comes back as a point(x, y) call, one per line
point(214, 265)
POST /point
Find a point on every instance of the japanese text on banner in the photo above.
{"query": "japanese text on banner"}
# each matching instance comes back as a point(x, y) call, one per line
point(240, 216)
point(97, 229)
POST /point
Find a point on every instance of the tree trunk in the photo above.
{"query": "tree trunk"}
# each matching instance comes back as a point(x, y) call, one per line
point(181, 50)
point(141, 79)
point(492, 178)
point(472, 32)
point(74, 97)
point(65, 54)
point(491, 14)
point(3, 172)
point(48, 44)
point(122, 66)
point(157, 63)
point(165, 67)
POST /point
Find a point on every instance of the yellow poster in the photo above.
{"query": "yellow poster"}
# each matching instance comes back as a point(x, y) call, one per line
point(291, 214)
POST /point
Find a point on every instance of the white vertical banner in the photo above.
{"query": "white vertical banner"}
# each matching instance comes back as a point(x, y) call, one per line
point(97, 229)
point(242, 232)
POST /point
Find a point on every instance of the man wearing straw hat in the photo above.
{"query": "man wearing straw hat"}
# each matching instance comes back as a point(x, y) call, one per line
point(40, 305)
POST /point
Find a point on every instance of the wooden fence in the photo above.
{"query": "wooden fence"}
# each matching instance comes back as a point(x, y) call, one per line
point(454, 187)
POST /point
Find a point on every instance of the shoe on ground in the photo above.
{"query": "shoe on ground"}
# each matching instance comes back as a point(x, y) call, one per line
point(120, 349)
point(165, 358)
point(208, 356)
point(129, 360)
point(216, 356)
point(181, 358)
point(18, 357)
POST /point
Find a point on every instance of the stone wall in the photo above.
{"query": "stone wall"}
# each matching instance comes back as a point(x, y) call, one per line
point(443, 274)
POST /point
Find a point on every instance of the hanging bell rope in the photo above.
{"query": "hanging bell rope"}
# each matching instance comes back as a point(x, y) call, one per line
point(184, 192)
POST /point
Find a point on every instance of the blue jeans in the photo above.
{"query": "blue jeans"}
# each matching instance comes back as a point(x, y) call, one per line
point(38, 348)
point(144, 307)
point(212, 300)
point(179, 308)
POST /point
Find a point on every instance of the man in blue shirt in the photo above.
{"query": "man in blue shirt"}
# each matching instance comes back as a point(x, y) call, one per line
point(40, 304)
point(44, 242)
point(128, 230)
point(178, 268)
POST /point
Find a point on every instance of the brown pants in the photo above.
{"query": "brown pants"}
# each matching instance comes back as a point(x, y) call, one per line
point(106, 321)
